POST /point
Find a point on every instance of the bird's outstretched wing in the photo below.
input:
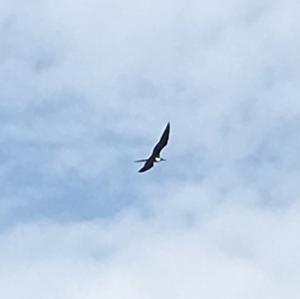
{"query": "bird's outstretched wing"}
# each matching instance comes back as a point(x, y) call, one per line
point(162, 142)
point(147, 165)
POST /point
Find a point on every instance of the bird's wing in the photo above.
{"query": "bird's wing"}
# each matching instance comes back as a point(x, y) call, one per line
point(147, 165)
point(162, 142)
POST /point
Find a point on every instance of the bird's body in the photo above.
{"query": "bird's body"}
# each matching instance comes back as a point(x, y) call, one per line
point(155, 156)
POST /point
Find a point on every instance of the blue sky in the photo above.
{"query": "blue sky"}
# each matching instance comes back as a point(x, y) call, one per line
point(87, 87)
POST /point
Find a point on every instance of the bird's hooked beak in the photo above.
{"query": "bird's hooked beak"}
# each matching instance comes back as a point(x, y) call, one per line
point(162, 159)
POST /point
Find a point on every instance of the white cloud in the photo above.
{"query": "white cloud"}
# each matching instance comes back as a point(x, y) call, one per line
point(230, 250)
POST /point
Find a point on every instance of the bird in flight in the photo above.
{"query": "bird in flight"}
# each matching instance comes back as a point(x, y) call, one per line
point(155, 156)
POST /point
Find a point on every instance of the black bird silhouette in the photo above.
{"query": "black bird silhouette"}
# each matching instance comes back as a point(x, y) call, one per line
point(155, 156)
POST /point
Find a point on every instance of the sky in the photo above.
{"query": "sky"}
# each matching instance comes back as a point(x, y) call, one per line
point(87, 87)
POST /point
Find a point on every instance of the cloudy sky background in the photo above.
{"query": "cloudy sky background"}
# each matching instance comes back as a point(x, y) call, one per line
point(87, 86)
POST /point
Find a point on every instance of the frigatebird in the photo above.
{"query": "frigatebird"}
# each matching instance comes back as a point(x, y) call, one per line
point(155, 156)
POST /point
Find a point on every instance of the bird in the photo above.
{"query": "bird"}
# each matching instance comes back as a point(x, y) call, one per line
point(155, 156)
